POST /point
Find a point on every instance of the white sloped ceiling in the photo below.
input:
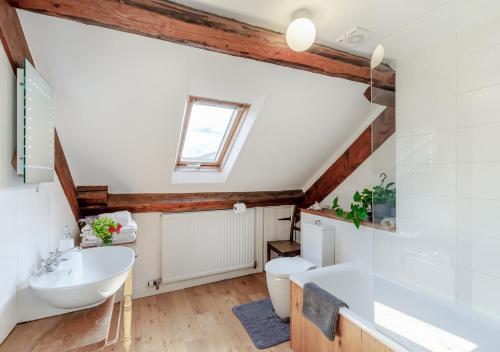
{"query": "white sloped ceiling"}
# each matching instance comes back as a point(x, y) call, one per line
point(120, 100)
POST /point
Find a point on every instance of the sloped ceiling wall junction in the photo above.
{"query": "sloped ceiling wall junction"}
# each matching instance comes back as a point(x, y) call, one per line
point(120, 101)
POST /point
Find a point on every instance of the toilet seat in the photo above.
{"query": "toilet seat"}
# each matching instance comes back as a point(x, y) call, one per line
point(285, 266)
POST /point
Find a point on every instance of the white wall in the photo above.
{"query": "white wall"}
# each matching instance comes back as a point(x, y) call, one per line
point(32, 218)
point(448, 160)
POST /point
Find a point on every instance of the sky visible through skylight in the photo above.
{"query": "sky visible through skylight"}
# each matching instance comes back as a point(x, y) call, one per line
point(205, 134)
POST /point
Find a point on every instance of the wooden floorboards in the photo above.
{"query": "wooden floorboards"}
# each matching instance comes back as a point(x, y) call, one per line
point(196, 319)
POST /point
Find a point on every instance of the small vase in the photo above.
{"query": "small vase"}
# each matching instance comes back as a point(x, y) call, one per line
point(106, 243)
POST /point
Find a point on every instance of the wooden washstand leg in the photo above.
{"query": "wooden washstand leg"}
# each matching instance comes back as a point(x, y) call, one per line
point(127, 312)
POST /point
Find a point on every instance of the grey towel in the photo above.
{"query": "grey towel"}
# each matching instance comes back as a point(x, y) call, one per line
point(321, 308)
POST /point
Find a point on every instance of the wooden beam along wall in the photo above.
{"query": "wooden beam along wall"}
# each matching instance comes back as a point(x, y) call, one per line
point(12, 36)
point(179, 202)
point(184, 25)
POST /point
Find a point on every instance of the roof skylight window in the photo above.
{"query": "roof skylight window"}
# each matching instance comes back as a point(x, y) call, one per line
point(209, 129)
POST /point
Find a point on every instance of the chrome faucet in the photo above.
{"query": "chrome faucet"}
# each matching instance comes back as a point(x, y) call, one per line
point(52, 262)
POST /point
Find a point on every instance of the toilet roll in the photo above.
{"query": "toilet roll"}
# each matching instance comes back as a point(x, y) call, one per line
point(239, 208)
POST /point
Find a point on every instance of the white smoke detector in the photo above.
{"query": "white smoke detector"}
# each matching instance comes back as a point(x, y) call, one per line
point(355, 37)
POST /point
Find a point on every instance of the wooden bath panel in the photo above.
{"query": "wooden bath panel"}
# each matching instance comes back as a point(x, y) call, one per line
point(306, 337)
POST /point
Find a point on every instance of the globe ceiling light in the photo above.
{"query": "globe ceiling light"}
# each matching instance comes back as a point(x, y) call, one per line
point(301, 32)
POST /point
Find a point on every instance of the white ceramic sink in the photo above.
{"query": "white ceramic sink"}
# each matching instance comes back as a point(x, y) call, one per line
point(84, 277)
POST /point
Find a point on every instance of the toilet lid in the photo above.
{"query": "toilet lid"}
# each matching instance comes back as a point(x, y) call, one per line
point(286, 266)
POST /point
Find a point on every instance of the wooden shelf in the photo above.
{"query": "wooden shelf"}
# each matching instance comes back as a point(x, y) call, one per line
point(81, 331)
point(328, 213)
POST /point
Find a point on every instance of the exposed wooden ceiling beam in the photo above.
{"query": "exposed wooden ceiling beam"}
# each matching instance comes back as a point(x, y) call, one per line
point(185, 202)
point(380, 96)
point(12, 36)
point(184, 25)
point(62, 170)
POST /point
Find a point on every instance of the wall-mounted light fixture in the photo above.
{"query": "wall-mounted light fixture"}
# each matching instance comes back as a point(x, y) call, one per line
point(377, 56)
point(301, 32)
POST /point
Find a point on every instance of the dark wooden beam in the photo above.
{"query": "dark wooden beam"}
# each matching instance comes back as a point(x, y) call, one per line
point(12, 36)
point(92, 195)
point(342, 168)
point(186, 202)
point(65, 178)
point(383, 127)
point(380, 96)
point(184, 25)
point(370, 139)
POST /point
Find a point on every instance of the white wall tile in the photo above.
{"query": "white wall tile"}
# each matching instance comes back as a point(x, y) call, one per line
point(362, 246)
point(435, 246)
point(479, 253)
point(404, 179)
point(479, 70)
point(477, 38)
point(427, 84)
point(436, 212)
point(404, 206)
point(478, 107)
point(478, 290)
point(388, 257)
point(436, 147)
point(434, 180)
point(479, 143)
point(478, 216)
point(453, 152)
point(447, 159)
point(478, 180)
point(403, 149)
point(433, 116)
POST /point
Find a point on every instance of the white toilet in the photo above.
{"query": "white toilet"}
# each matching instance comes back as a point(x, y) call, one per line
point(317, 248)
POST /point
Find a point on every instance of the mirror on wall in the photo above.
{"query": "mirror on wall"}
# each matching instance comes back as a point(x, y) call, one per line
point(35, 126)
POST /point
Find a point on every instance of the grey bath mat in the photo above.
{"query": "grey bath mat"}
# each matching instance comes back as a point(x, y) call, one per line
point(262, 324)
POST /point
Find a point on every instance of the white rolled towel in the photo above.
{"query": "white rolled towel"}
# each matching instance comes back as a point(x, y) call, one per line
point(92, 241)
point(122, 217)
point(131, 227)
point(91, 235)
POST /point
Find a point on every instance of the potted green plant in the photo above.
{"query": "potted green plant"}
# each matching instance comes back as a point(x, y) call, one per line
point(104, 228)
point(379, 203)
point(384, 201)
point(360, 208)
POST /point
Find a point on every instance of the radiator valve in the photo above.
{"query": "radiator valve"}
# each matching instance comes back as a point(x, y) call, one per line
point(156, 283)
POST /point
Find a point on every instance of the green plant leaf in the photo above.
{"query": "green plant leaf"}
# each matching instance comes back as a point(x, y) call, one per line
point(356, 222)
point(357, 197)
point(335, 203)
point(340, 212)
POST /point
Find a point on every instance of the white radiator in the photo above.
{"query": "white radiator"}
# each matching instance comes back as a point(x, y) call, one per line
point(206, 243)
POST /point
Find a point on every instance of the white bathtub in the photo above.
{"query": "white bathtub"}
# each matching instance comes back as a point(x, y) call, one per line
point(402, 318)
